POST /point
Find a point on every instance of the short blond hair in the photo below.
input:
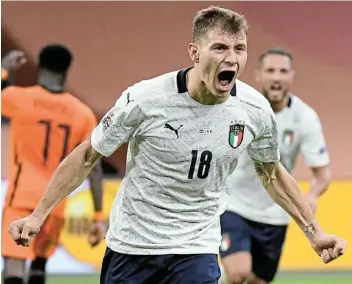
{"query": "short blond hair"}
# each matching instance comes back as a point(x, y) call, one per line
point(217, 17)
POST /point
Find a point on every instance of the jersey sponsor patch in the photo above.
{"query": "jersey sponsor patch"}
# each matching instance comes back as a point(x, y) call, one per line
point(107, 120)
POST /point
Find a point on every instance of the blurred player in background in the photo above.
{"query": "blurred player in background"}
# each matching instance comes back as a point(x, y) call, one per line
point(47, 123)
point(9, 64)
point(186, 129)
point(254, 226)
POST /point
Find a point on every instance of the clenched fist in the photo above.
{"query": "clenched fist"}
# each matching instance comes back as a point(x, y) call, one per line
point(328, 247)
point(97, 233)
point(23, 230)
point(14, 60)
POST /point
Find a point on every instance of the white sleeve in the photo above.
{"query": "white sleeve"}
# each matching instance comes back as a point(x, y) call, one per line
point(313, 145)
point(265, 146)
point(117, 127)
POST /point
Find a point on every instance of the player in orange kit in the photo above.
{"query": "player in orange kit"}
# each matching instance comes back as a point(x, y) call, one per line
point(47, 123)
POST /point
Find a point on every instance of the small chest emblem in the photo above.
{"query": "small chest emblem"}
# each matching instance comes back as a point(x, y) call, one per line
point(236, 133)
point(287, 137)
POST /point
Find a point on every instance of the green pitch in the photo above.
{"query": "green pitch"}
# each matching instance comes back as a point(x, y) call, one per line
point(312, 280)
point(281, 280)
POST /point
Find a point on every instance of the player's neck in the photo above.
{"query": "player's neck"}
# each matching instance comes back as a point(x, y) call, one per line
point(277, 107)
point(51, 81)
point(199, 92)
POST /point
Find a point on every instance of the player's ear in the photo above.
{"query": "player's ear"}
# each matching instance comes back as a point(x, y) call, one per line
point(193, 52)
point(292, 75)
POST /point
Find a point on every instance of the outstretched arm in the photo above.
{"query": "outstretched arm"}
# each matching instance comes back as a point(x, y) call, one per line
point(284, 190)
point(70, 174)
point(116, 127)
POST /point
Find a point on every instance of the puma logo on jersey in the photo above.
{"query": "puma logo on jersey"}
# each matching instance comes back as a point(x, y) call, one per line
point(168, 126)
point(128, 99)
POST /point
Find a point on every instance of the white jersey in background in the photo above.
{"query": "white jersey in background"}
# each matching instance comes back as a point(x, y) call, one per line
point(179, 156)
point(299, 130)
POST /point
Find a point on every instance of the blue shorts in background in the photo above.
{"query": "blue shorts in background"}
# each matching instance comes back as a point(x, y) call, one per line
point(263, 241)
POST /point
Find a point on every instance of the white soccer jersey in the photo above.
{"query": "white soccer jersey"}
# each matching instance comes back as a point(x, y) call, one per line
point(299, 131)
point(179, 156)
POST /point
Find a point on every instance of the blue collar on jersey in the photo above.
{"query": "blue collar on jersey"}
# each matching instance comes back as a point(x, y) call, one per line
point(182, 82)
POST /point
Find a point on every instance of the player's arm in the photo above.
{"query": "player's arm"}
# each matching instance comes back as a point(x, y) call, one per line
point(276, 180)
point(320, 180)
point(116, 128)
point(316, 156)
point(69, 175)
point(96, 175)
point(10, 99)
point(284, 190)
point(97, 228)
point(96, 179)
point(10, 63)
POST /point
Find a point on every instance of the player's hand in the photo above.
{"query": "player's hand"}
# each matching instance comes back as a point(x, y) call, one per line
point(23, 230)
point(312, 201)
point(14, 60)
point(96, 233)
point(328, 247)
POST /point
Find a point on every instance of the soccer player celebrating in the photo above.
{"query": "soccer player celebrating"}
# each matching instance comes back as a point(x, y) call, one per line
point(254, 226)
point(186, 130)
point(47, 123)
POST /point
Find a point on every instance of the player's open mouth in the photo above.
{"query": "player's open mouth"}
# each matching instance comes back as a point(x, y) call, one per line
point(225, 79)
point(276, 87)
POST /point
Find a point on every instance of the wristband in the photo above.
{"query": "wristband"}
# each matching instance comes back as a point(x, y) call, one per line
point(99, 216)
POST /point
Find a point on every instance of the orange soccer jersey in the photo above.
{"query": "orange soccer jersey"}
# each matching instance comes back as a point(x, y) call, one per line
point(45, 127)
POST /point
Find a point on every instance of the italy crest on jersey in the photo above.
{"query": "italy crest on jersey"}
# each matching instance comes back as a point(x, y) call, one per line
point(236, 135)
point(287, 138)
